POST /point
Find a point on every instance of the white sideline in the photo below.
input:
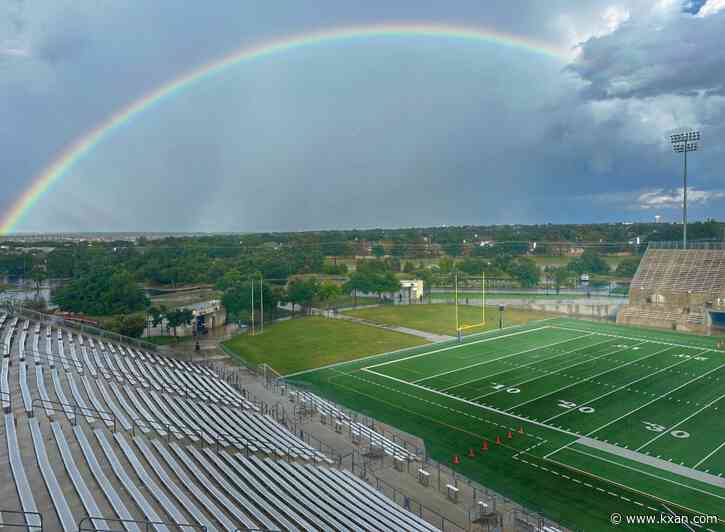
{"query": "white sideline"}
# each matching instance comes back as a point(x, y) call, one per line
point(390, 353)
point(609, 353)
point(709, 455)
point(641, 339)
point(623, 386)
point(483, 363)
point(708, 405)
point(641, 407)
point(625, 466)
point(457, 346)
point(477, 405)
point(590, 377)
point(524, 365)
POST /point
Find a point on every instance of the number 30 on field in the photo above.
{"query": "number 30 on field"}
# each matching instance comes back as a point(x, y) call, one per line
point(654, 427)
point(582, 409)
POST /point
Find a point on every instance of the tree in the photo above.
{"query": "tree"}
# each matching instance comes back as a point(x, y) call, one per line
point(453, 249)
point(38, 275)
point(303, 292)
point(628, 267)
point(525, 271)
point(131, 325)
point(559, 275)
point(328, 292)
point(178, 317)
point(589, 262)
point(358, 282)
point(378, 250)
point(102, 292)
point(384, 283)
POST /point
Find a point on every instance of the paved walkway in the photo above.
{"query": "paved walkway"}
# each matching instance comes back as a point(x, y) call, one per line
point(654, 462)
point(431, 337)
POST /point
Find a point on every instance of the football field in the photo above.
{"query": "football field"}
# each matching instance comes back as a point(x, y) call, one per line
point(629, 414)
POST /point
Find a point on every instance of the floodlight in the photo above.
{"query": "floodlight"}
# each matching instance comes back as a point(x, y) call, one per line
point(684, 140)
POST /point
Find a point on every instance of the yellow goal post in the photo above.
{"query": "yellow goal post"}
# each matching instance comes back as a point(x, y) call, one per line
point(461, 326)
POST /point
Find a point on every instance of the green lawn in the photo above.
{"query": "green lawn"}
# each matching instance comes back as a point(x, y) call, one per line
point(623, 382)
point(305, 343)
point(441, 318)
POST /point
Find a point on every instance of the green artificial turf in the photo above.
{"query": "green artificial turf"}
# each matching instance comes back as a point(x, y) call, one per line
point(558, 380)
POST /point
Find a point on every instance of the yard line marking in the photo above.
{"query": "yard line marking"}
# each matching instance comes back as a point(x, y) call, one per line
point(457, 346)
point(709, 455)
point(562, 369)
point(656, 399)
point(483, 363)
point(415, 348)
point(646, 473)
point(591, 377)
point(708, 405)
point(525, 365)
point(640, 339)
point(622, 387)
point(471, 403)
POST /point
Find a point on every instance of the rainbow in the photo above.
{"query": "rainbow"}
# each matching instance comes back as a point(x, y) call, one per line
point(84, 145)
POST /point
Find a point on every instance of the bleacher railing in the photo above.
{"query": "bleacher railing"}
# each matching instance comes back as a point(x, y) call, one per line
point(693, 245)
point(220, 440)
point(86, 525)
point(58, 321)
point(17, 514)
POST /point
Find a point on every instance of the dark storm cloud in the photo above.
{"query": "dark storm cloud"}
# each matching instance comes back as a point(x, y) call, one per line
point(376, 132)
point(681, 54)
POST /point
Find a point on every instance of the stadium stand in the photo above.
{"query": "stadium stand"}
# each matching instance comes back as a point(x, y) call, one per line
point(358, 430)
point(680, 289)
point(162, 445)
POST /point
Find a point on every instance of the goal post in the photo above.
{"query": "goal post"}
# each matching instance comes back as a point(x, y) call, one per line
point(460, 327)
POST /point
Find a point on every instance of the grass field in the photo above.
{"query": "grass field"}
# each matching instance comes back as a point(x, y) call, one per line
point(602, 418)
point(303, 343)
point(440, 318)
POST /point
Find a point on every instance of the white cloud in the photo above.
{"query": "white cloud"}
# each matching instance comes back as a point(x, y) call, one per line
point(672, 198)
point(711, 7)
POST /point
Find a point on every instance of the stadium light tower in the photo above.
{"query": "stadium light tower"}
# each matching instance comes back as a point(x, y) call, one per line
point(684, 140)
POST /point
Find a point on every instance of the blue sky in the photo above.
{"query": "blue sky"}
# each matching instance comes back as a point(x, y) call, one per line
point(377, 132)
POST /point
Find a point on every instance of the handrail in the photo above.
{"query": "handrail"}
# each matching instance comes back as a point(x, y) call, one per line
point(147, 524)
point(3, 524)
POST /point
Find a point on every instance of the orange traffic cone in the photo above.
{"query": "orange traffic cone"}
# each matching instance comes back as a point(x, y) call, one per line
point(471, 453)
point(498, 440)
point(509, 435)
point(485, 445)
point(456, 459)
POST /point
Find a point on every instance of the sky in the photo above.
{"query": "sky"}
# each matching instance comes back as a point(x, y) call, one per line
point(377, 132)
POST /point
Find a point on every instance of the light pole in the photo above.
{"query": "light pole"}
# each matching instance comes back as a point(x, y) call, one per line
point(684, 140)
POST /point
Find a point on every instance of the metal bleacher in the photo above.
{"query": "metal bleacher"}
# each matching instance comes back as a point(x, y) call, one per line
point(160, 444)
point(673, 288)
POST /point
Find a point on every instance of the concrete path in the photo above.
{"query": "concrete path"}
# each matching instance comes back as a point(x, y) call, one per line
point(431, 337)
point(654, 462)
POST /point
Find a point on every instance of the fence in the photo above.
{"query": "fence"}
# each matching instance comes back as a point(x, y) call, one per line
point(365, 467)
point(677, 244)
